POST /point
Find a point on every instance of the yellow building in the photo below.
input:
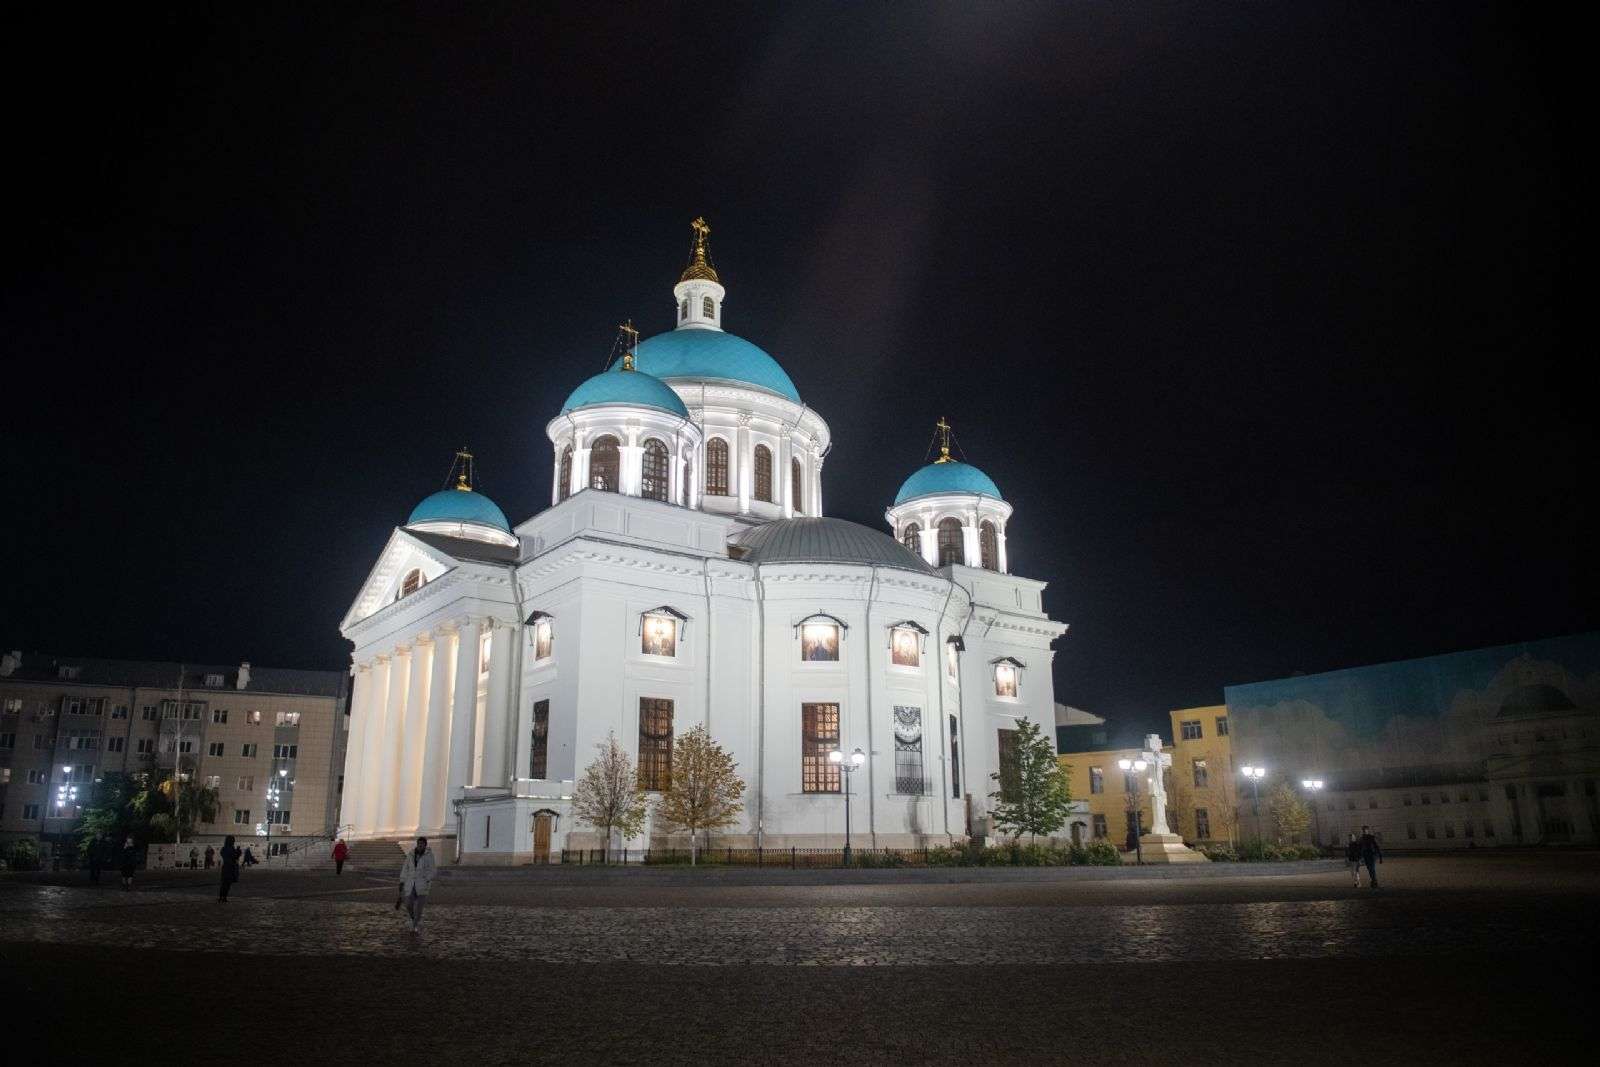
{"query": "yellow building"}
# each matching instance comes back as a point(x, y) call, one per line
point(1201, 792)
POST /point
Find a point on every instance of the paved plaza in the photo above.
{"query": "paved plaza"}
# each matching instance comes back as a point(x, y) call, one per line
point(1460, 959)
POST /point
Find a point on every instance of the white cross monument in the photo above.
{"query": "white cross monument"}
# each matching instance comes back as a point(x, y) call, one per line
point(1161, 845)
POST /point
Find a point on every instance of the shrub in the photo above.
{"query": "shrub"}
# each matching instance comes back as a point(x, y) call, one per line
point(1101, 853)
point(22, 854)
point(1219, 853)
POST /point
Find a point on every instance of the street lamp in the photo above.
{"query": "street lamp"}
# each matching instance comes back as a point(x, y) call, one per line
point(274, 792)
point(1137, 766)
point(1255, 774)
point(848, 764)
point(1313, 786)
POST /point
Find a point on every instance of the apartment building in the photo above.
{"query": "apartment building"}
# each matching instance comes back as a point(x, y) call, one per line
point(65, 721)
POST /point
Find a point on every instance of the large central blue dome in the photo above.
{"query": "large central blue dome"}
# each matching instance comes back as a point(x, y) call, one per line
point(712, 355)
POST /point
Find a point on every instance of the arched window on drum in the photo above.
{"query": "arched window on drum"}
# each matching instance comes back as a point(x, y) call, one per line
point(989, 546)
point(653, 481)
point(605, 464)
point(949, 542)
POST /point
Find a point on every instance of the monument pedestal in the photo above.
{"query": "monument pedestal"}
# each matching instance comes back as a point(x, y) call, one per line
point(1168, 848)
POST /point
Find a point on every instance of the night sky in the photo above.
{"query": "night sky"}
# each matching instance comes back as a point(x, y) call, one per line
point(1254, 312)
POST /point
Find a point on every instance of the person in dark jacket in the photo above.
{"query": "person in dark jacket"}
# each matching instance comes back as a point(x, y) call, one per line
point(1371, 854)
point(230, 868)
point(129, 861)
point(1352, 859)
point(97, 858)
point(249, 859)
point(211, 856)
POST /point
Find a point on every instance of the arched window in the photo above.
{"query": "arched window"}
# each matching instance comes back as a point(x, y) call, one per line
point(989, 546)
point(653, 484)
point(708, 308)
point(605, 464)
point(564, 487)
point(794, 485)
point(412, 582)
point(763, 472)
point(911, 537)
point(949, 542)
point(716, 467)
point(683, 309)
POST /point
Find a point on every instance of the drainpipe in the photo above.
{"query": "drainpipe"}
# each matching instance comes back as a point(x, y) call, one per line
point(761, 711)
point(943, 741)
point(961, 718)
point(705, 571)
point(514, 715)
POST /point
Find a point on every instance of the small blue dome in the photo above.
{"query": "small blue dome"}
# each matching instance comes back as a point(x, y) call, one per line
point(626, 387)
point(459, 505)
point(713, 355)
point(951, 477)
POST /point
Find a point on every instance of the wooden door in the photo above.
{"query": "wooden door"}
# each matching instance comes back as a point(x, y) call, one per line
point(541, 838)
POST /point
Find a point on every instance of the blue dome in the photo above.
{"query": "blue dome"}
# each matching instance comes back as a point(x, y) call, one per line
point(713, 354)
point(951, 477)
point(626, 387)
point(459, 505)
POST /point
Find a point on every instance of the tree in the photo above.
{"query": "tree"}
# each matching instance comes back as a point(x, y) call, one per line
point(1033, 797)
point(127, 805)
point(1290, 816)
point(705, 790)
point(607, 796)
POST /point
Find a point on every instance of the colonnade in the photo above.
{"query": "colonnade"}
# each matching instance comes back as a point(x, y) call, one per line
point(428, 718)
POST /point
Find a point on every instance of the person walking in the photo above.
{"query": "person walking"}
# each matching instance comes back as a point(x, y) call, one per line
point(211, 854)
point(341, 852)
point(1352, 859)
point(129, 861)
point(416, 879)
point(249, 857)
point(194, 859)
point(230, 868)
point(1371, 855)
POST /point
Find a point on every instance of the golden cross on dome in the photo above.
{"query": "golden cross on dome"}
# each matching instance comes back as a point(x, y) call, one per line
point(464, 479)
point(944, 441)
point(629, 338)
point(699, 262)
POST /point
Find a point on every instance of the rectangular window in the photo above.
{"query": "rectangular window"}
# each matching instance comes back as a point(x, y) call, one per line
point(248, 751)
point(120, 711)
point(819, 642)
point(36, 777)
point(186, 746)
point(30, 811)
point(1191, 730)
point(13, 705)
point(658, 635)
point(1222, 726)
point(1005, 680)
point(252, 718)
point(41, 741)
point(278, 848)
point(213, 781)
point(8, 740)
point(1201, 776)
point(1009, 785)
point(1202, 824)
point(285, 751)
point(219, 715)
point(1097, 780)
point(214, 748)
point(908, 777)
point(145, 745)
point(214, 681)
point(819, 735)
point(116, 744)
point(288, 718)
point(955, 760)
point(655, 744)
point(148, 713)
point(1411, 831)
point(247, 783)
point(905, 647)
point(278, 818)
point(1099, 823)
point(539, 750)
point(241, 816)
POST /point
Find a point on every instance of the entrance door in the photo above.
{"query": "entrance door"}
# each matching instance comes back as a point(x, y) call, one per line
point(541, 838)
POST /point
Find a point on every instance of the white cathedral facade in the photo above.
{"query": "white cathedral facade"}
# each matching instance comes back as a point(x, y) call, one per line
point(684, 575)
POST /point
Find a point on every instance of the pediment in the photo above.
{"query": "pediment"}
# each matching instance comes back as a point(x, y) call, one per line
point(400, 556)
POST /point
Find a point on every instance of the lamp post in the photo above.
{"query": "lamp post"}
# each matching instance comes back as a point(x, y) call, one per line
point(1138, 767)
point(274, 803)
point(1313, 786)
point(849, 764)
point(66, 806)
point(1255, 774)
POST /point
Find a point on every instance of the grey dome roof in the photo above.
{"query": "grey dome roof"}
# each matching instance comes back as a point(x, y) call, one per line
point(827, 541)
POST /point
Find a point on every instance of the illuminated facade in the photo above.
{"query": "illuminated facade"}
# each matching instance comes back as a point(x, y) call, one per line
point(684, 575)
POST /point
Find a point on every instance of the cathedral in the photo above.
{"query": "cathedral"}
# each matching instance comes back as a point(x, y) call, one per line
point(684, 574)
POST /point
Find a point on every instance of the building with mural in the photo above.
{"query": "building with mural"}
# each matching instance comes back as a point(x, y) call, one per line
point(1491, 747)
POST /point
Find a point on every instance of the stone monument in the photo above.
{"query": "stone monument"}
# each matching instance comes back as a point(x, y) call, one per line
point(1161, 845)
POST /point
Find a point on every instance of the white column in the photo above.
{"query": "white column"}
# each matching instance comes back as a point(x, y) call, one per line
point(785, 494)
point(746, 464)
point(372, 747)
point(816, 487)
point(632, 474)
point(1000, 539)
point(355, 746)
point(555, 476)
point(463, 709)
point(408, 780)
point(973, 557)
point(496, 724)
point(394, 718)
point(432, 816)
point(929, 535)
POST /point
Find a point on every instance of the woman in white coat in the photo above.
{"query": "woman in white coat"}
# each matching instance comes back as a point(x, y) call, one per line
point(416, 879)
